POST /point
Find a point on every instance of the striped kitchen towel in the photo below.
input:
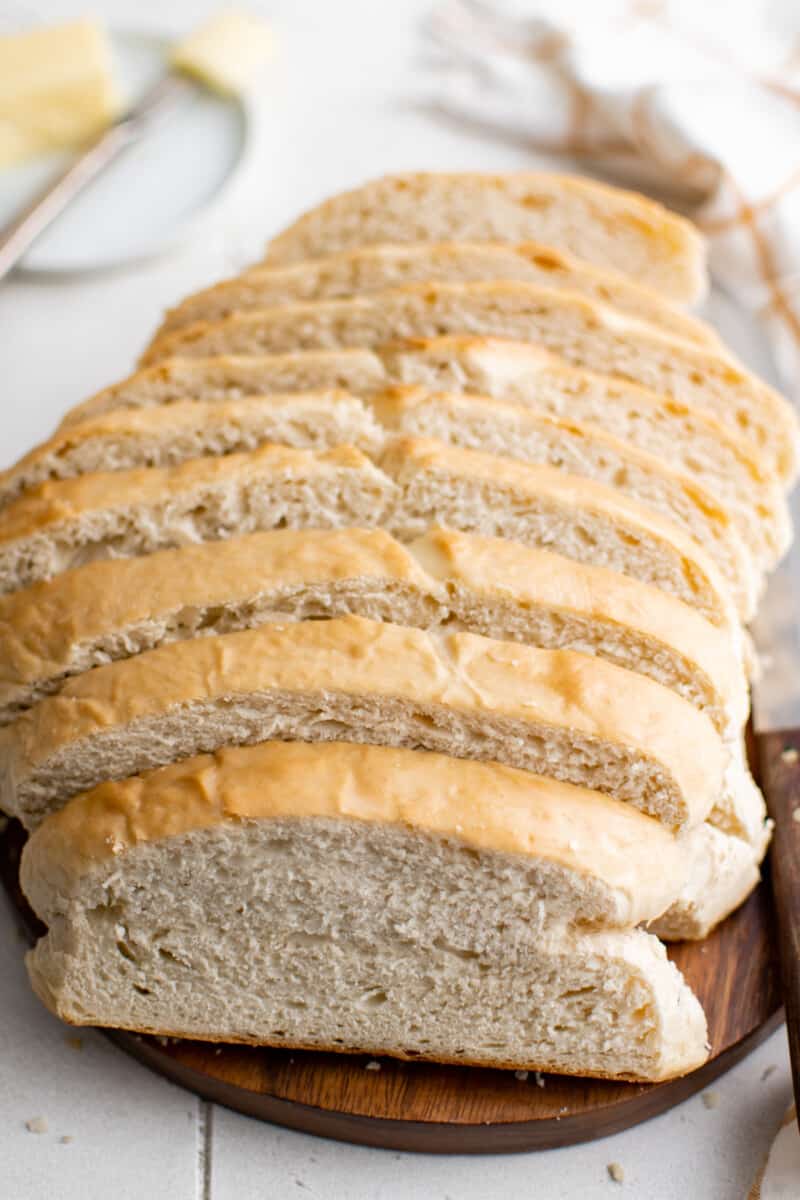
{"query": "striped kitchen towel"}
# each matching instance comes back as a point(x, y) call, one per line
point(697, 101)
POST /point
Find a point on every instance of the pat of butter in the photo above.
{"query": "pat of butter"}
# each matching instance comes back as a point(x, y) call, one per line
point(226, 52)
point(57, 89)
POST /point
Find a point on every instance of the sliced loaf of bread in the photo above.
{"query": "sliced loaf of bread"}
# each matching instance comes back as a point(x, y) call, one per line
point(383, 920)
point(420, 483)
point(583, 332)
point(569, 716)
point(372, 268)
point(603, 225)
point(104, 611)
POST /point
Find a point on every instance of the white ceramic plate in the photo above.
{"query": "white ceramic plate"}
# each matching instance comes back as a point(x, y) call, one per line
point(158, 191)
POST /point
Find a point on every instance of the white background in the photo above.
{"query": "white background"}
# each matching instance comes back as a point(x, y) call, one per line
point(347, 98)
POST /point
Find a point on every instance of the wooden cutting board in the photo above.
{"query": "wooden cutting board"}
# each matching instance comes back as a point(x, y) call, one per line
point(422, 1106)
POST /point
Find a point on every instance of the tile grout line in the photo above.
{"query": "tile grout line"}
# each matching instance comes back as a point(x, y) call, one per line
point(205, 1115)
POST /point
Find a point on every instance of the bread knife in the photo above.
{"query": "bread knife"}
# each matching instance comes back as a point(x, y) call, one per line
point(776, 722)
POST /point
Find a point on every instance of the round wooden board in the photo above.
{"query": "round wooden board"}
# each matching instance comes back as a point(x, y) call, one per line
point(442, 1109)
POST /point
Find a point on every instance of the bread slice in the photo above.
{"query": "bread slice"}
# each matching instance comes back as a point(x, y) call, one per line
point(154, 437)
point(372, 268)
point(603, 225)
point(570, 716)
point(105, 611)
point(516, 372)
point(585, 333)
point(582, 857)
point(319, 420)
point(61, 525)
point(401, 940)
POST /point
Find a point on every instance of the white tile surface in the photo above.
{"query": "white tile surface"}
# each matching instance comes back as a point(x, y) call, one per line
point(134, 1135)
point(693, 1152)
point(347, 101)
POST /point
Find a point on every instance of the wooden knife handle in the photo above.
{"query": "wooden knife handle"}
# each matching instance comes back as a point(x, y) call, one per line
point(779, 760)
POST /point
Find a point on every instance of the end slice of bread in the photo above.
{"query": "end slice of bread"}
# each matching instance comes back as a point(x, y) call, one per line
point(603, 225)
point(383, 920)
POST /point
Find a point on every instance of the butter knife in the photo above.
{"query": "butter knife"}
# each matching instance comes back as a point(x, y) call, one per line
point(18, 236)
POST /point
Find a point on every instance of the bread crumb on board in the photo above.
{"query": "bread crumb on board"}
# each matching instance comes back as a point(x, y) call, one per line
point(372, 1065)
point(36, 1125)
point(66, 1139)
point(521, 1076)
point(616, 1172)
point(711, 1099)
point(790, 756)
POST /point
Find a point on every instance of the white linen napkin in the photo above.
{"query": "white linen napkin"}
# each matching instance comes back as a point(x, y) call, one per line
point(698, 100)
